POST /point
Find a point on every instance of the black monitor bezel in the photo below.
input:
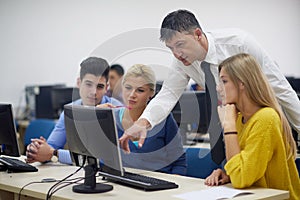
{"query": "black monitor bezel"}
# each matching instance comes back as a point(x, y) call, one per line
point(8, 134)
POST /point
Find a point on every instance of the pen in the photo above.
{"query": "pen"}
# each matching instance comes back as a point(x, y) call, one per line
point(121, 107)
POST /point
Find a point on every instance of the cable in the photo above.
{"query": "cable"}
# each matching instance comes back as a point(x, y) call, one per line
point(50, 192)
point(70, 183)
point(59, 183)
point(19, 194)
point(66, 184)
point(56, 187)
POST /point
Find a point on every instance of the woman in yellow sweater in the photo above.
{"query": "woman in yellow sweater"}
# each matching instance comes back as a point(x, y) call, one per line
point(260, 149)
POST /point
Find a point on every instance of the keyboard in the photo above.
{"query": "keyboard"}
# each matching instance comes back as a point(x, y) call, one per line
point(15, 165)
point(139, 181)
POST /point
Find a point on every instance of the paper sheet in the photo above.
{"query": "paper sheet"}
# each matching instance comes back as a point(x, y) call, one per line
point(213, 193)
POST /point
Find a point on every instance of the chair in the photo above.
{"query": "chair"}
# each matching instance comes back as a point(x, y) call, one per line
point(199, 162)
point(37, 128)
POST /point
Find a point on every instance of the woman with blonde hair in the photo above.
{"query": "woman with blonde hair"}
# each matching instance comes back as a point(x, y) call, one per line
point(162, 150)
point(260, 149)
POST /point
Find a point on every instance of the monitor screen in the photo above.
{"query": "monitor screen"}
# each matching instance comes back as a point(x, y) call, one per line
point(296, 85)
point(191, 112)
point(8, 137)
point(61, 97)
point(92, 132)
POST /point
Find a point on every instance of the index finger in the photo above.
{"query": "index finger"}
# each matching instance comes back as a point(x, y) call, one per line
point(142, 139)
point(124, 143)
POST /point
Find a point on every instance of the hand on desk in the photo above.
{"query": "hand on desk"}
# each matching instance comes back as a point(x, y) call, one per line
point(217, 177)
point(38, 151)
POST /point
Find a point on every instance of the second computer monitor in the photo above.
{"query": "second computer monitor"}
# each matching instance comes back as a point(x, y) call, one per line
point(61, 97)
point(39, 101)
point(191, 112)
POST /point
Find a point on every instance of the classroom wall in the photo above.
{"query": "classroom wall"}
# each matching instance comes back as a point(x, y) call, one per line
point(43, 41)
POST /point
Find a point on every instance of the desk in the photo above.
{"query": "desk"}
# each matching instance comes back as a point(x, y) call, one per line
point(10, 185)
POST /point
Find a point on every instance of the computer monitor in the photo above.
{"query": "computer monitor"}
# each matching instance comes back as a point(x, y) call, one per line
point(92, 132)
point(61, 97)
point(191, 113)
point(8, 137)
point(39, 101)
point(296, 85)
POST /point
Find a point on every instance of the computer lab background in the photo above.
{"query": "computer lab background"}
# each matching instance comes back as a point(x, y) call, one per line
point(43, 41)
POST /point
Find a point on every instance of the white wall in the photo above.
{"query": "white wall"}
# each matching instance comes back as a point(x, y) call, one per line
point(43, 41)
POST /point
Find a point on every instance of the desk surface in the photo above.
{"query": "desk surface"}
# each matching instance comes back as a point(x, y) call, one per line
point(12, 182)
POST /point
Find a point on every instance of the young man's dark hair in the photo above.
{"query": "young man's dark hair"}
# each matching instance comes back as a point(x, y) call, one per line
point(94, 65)
point(118, 68)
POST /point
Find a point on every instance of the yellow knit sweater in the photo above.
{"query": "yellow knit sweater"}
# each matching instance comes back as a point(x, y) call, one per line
point(262, 161)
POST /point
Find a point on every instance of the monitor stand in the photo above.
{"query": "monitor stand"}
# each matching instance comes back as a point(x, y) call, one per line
point(90, 185)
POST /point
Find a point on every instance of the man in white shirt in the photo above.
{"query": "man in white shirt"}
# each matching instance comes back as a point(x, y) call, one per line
point(183, 35)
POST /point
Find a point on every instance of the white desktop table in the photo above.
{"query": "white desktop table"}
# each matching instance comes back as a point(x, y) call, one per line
point(11, 183)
